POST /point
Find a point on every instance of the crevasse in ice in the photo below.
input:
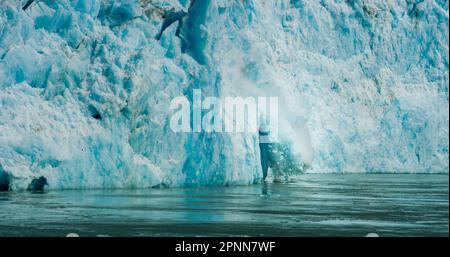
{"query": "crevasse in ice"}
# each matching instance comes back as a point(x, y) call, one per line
point(85, 87)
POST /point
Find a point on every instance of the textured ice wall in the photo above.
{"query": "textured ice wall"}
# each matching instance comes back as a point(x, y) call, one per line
point(85, 88)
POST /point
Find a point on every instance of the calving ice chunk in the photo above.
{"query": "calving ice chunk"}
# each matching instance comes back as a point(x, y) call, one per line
point(191, 247)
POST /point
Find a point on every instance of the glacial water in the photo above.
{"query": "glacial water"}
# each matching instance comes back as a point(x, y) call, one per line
point(310, 205)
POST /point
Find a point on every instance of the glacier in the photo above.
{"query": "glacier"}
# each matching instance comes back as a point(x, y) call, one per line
point(85, 88)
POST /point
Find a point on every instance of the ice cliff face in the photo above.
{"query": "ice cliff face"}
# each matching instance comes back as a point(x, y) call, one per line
point(85, 88)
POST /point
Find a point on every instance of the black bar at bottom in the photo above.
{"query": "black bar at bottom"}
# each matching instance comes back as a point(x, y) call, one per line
point(226, 246)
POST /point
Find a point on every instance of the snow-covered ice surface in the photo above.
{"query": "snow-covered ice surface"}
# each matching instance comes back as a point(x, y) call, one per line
point(367, 79)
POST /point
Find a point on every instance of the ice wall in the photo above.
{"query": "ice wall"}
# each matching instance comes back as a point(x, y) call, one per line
point(85, 88)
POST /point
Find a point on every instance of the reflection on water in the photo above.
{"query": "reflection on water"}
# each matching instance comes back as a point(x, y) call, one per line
point(312, 205)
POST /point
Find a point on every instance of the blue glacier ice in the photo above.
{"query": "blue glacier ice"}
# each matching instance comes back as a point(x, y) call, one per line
point(85, 88)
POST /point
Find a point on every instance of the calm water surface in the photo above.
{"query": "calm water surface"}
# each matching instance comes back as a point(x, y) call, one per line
point(312, 205)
